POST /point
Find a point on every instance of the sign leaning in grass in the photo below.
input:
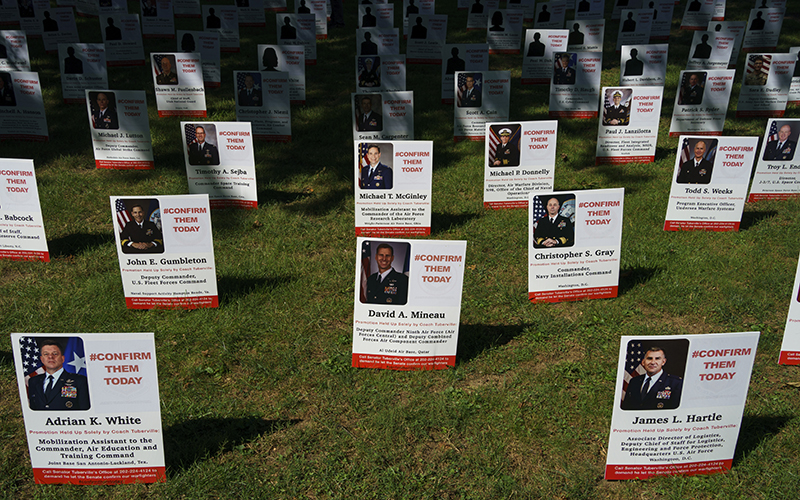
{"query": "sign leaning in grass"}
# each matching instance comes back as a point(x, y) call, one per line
point(178, 80)
point(120, 129)
point(22, 115)
point(207, 44)
point(407, 303)
point(262, 100)
point(790, 348)
point(678, 404)
point(83, 66)
point(765, 86)
point(165, 251)
point(220, 162)
point(21, 227)
point(709, 183)
point(98, 421)
point(574, 245)
point(778, 167)
point(519, 159)
point(628, 125)
point(393, 188)
point(16, 44)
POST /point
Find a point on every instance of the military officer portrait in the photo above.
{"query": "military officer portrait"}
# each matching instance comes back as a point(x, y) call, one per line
point(505, 138)
point(616, 113)
point(55, 388)
point(656, 372)
point(387, 283)
point(164, 68)
point(783, 147)
point(554, 228)
point(367, 119)
point(104, 110)
point(698, 168)
point(374, 174)
point(202, 144)
point(250, 89)
point(692, 89)
point(141, 232)
point(470, 91)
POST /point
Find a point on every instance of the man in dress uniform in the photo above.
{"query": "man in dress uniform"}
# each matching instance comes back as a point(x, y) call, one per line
point(386, 286)
point(201, 152)
point(167, 77)
point(368, 121)
point(249, 96)
point(507, 155)
point(553, 230)
point(655, 390)
point(140, 235)
point(471, 97)
point(617, 114)
point(696, 170)
point(376, 175)
point(104, 118)
point(693, 92)
point(57, 389)
point(782, 148)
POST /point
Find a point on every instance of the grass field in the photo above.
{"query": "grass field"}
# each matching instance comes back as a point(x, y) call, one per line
point(258, 396)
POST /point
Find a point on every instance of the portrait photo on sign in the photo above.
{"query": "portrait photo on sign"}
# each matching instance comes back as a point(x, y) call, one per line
point(201, 143)
point(7, 97)
point(249, 87)
point(654, 370)
point(564, 69)
point(697, 161)
point(55, 373)
point(384, 272)
point(554, 217)
point(757, 69)
point(139, 225)
point(504, 145)
point(469, 90)
point(104, 110)
point(368, 112)
point(617, 107)
point(692, 87)
point(375, 168)
point(369, 71)
point(782, 140)
point(165, 67)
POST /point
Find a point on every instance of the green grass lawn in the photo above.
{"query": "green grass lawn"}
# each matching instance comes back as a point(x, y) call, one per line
point(258, 396)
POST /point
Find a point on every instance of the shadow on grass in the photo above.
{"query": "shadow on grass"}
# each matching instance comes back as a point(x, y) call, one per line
point(73, 244)
point(750, 219)
point(475, 339)
point(443, 222)
point(231, 288)
point(323, 203)
point(267, 196)
point(754, 431)
point(194, 440)
point(6, 358)
point(629, 278)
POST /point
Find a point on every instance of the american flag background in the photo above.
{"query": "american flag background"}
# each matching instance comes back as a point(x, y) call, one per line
point(764, 67)
point(557, 58)
point(157, 68)
point(240, 76)
point(494, 138)
point(74, 356)
point(537, 209)
point(773, 132)
point(122, 209)
point(362, 159)
point(123, 215)
point(633, 363)
point(687, 153)
point(462, 83)
point(191, 136)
